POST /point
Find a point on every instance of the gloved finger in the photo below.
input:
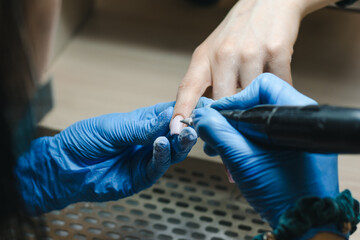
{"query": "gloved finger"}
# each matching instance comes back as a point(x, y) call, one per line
point(265, 89)
point(150, 112)
point(209, 150)
point(182, 144)
point(224, 79)
point(203, 102)
point(191, 88)
point(161, 159)
point(143, 132)
point(160, 107)
point(215, 130)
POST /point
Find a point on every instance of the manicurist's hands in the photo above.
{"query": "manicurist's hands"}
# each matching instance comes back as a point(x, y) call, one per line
point(271, 180)
point(101, 159)
point(256, 36)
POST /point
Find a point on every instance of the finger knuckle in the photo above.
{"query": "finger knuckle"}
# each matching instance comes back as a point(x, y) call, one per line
point(192, 85)
point(185, 84)
point(278, 49)
point(195, 80)
point(274, 48)
point(226, 50)
point(199, 52)
point(248, 54)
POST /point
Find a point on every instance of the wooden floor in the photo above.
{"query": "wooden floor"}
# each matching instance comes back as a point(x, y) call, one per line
point(132, 54)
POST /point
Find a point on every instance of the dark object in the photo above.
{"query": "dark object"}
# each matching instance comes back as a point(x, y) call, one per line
point(312, 128)
point(308, 212)
point(345, 3)
point(16, 86)
point(204, 2)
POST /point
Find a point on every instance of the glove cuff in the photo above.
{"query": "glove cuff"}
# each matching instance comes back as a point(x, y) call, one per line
point(24, 173)
point(312, 215)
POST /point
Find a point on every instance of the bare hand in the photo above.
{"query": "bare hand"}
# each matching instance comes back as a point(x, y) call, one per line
point(256, 36)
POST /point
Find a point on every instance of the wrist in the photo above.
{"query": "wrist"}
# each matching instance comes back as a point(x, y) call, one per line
point(309, 6)
point(289, 7)
point(29, 181)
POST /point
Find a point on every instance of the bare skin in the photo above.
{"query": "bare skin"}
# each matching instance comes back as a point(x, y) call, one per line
point(242, 47)
point(256, 36)
point(326, 236)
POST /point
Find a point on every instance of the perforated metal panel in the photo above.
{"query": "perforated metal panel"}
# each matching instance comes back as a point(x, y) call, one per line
point(193, 200)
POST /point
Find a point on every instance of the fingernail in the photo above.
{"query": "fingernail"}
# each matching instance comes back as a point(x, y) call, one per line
point(176, 126)
point(230, 178)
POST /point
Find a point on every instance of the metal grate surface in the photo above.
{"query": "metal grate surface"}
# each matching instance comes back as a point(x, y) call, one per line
point(193, 200)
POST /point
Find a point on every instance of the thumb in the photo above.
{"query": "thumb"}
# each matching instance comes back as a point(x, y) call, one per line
point(214, 129)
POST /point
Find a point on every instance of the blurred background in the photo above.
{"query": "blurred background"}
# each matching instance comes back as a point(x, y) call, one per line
point(115, 56)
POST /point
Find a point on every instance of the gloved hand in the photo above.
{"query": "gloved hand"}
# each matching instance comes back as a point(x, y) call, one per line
point(271, 181)
point(101, 159)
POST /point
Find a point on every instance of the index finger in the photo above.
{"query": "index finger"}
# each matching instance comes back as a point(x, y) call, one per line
point(192, 87)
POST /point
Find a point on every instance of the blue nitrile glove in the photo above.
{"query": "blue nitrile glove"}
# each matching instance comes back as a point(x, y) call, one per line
point(271, 181)
point(101, 159)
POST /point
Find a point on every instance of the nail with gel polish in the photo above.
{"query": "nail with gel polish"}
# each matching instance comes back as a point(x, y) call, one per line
point(176, 126)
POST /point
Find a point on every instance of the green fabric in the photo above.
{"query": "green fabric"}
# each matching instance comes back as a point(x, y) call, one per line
point(312, 212)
